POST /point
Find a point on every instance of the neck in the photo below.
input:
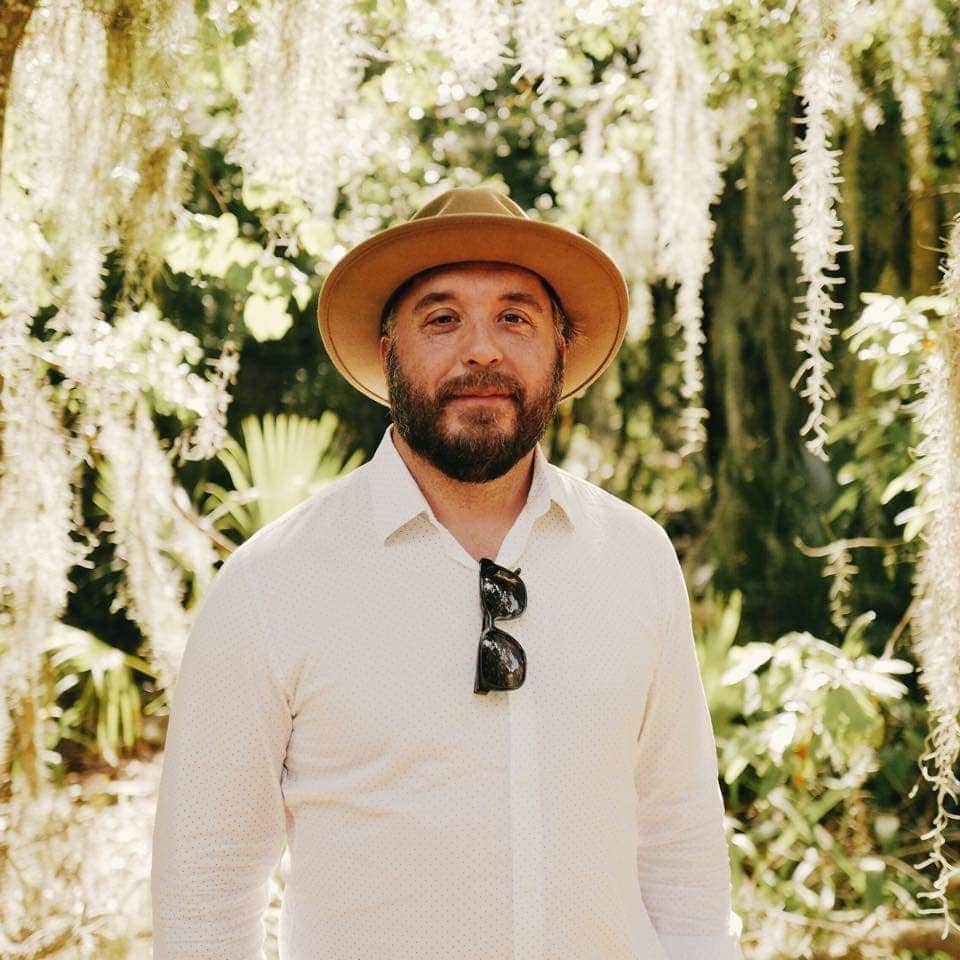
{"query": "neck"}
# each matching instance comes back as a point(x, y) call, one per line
point(477, 514)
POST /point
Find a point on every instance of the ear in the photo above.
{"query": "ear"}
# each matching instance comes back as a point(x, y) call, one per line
point(384, 347)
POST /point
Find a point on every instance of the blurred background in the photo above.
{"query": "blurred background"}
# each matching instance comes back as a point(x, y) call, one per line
point(780, 184)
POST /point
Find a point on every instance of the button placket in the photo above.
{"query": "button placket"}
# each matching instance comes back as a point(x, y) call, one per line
point(526, 811)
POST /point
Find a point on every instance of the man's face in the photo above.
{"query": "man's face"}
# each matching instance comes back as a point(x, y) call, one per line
point(474, 368)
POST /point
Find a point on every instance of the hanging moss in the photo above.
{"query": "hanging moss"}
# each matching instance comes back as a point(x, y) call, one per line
point(13, 21)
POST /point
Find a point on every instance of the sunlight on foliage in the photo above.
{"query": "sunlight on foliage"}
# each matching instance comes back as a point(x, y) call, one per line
point(178, 177)
point(105, 698)
point(282, 461)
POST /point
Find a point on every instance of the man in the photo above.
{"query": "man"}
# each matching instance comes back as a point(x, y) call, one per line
point(459, 683)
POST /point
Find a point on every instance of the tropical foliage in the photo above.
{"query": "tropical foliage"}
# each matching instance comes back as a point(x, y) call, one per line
point(778, 180)
point(282, 462)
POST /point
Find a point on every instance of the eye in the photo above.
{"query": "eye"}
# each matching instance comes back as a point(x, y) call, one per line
point(513, 319)
point(441, 319)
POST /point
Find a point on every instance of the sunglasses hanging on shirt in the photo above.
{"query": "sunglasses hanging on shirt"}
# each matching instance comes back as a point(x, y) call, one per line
point(501, 662)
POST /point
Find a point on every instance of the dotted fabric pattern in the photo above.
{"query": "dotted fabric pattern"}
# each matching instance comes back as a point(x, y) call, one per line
point(325, 705)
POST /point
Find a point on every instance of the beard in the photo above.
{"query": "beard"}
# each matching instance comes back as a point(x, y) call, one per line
point(482, 450)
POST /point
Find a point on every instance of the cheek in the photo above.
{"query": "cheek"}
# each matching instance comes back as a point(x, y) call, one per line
point(423, 370)
point(434, 362)
point(540, 360)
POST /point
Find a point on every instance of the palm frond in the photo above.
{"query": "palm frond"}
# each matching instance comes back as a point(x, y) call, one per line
point(284, 459)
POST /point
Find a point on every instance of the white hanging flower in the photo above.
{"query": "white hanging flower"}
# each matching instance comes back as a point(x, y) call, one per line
point(818, 227)
point(38, 510)
point(538, 26)
point(686, 181)
point(58, 148)
point(305, 65)
point(471, 34)
point(916, 29)
point(83, 150)
point(640, 254)
point(841, 568)
point(70, 160)
point(147, 527)
point(936, 625)
point(48, 109)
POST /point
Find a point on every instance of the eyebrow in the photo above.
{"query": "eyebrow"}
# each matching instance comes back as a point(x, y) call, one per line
point(441, 296)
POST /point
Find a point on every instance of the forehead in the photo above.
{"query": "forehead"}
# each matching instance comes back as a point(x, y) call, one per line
point(461, 277)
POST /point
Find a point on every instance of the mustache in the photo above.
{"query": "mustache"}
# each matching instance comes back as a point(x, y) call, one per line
point(481, 380)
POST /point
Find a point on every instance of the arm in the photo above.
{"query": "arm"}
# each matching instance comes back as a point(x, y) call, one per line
point(682, 857)
point(220, 821)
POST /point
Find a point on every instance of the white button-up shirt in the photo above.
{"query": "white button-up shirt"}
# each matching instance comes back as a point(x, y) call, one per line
point(325, 702)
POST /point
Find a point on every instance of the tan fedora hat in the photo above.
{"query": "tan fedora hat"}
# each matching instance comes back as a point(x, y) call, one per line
point(471, 223)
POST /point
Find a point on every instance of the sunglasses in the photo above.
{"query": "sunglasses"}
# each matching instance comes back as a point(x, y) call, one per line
point(501, 662)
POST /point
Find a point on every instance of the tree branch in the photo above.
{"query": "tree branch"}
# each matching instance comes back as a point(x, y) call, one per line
point(13, 21)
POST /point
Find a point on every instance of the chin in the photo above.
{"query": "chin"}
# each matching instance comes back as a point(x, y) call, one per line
point(479, 426)
point(481, 417)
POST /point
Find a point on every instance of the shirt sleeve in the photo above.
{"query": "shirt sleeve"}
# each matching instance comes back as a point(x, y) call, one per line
point(220, 821)
point(682, 857)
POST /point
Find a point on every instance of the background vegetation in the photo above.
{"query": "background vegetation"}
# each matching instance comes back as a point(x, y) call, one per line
point(778, 181)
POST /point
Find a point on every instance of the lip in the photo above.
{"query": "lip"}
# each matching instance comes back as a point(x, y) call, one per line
point(481, 396)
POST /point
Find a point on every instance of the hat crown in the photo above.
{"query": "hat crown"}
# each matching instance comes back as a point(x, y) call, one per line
point(461, 200)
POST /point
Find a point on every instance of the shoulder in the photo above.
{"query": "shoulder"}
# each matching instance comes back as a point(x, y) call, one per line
point(607, 513)
point(638, 556)
point(302, 528)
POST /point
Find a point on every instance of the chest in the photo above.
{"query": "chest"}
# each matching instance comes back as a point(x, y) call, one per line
point(388, 669)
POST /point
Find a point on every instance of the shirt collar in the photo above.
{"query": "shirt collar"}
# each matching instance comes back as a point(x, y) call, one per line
point(397, 499)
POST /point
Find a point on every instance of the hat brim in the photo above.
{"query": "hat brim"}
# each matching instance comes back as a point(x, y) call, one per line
point(587, 281)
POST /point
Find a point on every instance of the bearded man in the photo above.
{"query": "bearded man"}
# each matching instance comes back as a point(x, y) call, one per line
point(459, 684)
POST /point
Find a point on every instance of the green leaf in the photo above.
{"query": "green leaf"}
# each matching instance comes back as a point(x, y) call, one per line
point(257, 195)
point(267, 318)
point(852, 641)
point(846, 502)
point(183, 253)
point(780, 732)
point(843, 713)
point(302, 292)
point(283, 460)
point(243, 35)
point(746, 660)
point(238, 277)
point(316, 236)
point(266, 282)
point(875, 894)
point(878, 683)
point(889, 665)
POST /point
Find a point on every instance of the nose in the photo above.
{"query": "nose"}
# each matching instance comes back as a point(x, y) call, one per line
point(479, 346)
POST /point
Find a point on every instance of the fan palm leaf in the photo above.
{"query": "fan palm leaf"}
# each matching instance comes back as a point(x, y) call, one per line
point(283, 460)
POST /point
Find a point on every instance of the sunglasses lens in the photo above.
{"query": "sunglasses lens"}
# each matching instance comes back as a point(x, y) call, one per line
point(502, 592)
point(503, 663)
